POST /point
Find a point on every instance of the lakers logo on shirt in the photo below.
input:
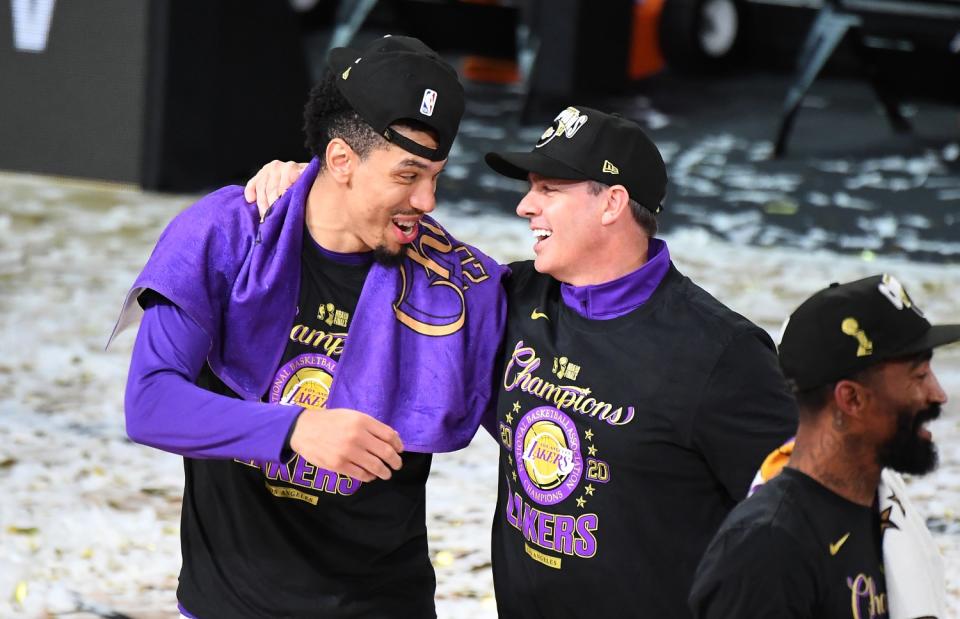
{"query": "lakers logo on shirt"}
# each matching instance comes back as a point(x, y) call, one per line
point(546, 457)
point(308, 387)
point(547, 452)
point(546, 461)
point(304, 381)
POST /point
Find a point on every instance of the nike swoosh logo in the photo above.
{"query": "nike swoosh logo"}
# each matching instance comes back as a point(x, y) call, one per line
point(835, 547)
point(536, 314)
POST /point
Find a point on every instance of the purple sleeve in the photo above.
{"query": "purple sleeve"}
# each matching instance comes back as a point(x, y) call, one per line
point(166, 410)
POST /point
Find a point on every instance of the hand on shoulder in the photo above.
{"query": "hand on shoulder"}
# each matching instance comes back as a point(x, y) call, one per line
point(270, 182)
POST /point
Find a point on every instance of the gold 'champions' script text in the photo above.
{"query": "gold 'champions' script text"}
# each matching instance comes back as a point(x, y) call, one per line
point(865, 602)
point(519, 375)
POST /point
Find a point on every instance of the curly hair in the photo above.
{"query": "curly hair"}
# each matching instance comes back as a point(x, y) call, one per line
point(328, 115)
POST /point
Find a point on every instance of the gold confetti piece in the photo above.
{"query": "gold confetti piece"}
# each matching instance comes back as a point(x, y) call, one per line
point(868, 256)
point(22, 530)
point(444, 558)
point(87, 553)
point(20, 593)
point(781, 207)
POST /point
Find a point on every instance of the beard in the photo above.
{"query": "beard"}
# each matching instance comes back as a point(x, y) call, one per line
point(907, 451)
point(383, 256)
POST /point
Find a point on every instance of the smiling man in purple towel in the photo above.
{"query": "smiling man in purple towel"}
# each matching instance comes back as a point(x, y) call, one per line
point(306, 363)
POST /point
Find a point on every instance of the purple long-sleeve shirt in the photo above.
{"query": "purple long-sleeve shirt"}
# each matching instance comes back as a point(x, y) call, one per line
point(166, 410)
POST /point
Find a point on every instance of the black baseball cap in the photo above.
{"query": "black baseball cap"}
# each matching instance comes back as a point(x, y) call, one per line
point(584, 144)
point(846, 328)
point(398, 78)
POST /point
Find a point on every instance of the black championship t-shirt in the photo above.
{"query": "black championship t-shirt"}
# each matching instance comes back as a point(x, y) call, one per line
point(794, 550)
point(624, 444)
point(268, 540)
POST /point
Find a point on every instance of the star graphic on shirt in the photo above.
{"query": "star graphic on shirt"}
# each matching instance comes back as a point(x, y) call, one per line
point(589, 434)
point(885, 522)
point(514, 476)
point(592, 450)
point(589, 489)
point(581, 502)
point(509, 417)
point(510, 458)
point(893, 497)
point(516, 407)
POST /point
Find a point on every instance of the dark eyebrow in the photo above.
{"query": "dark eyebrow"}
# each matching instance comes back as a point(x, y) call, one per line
point(406, 163)
point(918, 362)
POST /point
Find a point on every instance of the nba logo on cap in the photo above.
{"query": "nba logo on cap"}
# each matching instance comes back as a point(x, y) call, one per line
point(429, 100)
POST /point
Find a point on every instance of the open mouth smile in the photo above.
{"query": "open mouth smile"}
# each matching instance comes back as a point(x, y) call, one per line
point(406, 228)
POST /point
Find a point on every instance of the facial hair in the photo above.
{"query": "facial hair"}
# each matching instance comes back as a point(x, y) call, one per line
point(383, 256)
point(906, 451)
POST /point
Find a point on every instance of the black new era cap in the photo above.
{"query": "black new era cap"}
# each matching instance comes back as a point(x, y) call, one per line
point(587, 144)
point(397, 78)
point(846, 328)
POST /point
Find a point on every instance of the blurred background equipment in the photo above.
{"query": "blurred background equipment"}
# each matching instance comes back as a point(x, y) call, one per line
point(699, 35)
point(880, 33)
point(73, 87)
point(161, 93)
point(186, 96)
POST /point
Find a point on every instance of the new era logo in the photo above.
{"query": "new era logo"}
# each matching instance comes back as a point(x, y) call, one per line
point(609, 168)
point(428, 103)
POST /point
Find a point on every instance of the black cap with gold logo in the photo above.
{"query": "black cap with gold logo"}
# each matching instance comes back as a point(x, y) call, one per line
point(587, 144)
point(846, 328)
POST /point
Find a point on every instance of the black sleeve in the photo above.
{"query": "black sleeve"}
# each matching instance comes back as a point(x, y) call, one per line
point(745, 412)
point(755, 572)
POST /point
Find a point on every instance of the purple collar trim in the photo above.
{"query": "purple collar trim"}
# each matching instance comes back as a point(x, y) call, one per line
point(620, 296)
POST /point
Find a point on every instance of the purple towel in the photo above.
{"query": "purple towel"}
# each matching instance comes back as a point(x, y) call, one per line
point(420, 352)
